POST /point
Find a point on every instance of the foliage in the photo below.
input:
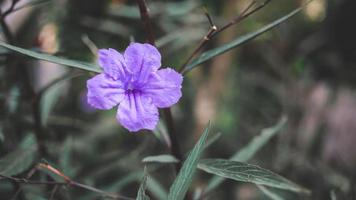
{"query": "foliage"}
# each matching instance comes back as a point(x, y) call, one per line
point(56, 146)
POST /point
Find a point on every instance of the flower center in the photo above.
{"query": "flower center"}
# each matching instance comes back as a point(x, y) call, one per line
point(131, 87)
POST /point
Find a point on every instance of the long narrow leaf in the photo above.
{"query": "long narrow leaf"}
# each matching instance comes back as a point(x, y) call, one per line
point(182, 182)
point(269, 193)
point(250, 150)
point(244, 172)
point(19, 160)
point(141, 194)
point(258, 142)
point(156, 189)
point(53, 59)
point(238, 41)
point(164, 158)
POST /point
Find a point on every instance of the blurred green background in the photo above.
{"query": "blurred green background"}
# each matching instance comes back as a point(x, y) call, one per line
point(304, 69)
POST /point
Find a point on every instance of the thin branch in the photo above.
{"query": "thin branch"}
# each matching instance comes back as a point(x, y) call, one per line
point(6, 30)
point(174, 148)
point(10, 9)
point(64, 77)
point(28, 176)
point(249, 10)
point(244, 14)
point(74, 183)
point(209, 17)
point(202, 42)
point(102, 192)
point(145, 17)
point(29, 182)
point(36, 112)
point(90, 44)
point(7, 33)
point(30, 4)
point(67, 182)
point(55, 171)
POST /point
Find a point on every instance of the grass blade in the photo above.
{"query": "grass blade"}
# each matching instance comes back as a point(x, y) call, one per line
point(250, 150)
point(164, 158)
point(269, 193)
point(182, 182)
point(141, 194)
point(53, 59)
point(244, 172)
point(19, 160)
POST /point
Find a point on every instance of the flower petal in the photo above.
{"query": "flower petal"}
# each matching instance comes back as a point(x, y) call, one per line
point(112, 62)
point(164, 87)
point(137, 112)
point(104, 92)
point(141, 60)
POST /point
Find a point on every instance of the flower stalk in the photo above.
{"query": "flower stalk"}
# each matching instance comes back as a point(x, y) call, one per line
point(174, 147)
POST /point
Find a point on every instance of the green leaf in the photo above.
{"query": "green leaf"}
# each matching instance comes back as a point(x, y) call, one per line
point(258, 142)
point(269, 193)
point(53, 59)
point(28, 142)
point(2, 137)
point(185, 176)
point(34, 196)
point(48, 101)
point(124, 181)
point(19, 160)
point(164, 158)
point(237, 42)
point(49, 96)
point(250, 149)
point(65, 158)
point(141, 194)
point(14, 99)
point(156, 189)
point(213, 139)
point(333, 195)
point(244, 172)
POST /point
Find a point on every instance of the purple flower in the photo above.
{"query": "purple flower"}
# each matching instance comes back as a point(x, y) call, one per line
point(134, 82)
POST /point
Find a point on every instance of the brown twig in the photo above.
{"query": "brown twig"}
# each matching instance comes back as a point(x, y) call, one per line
point(72, 183)
point(28, 176)
point(8, 35)
point(67, 182)
point(30, 4)
point(54, 170)
point(64, 77)
point(29, 182)
point(202, 42)
point(249, 10)
point(10, 9)
point(145, 17)
point(24, 77)
point(36, 106)
point(245, 13)
point(174, 148)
